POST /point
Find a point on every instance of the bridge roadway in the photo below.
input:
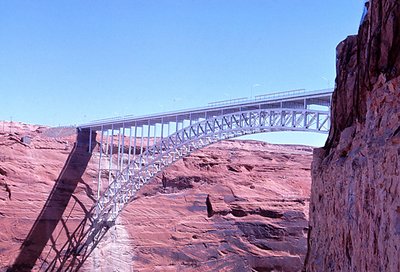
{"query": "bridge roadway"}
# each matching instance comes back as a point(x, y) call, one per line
point(132, 150)
point(294, 99)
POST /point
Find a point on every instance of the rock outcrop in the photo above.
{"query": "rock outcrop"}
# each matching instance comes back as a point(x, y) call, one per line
point(355, 204)
point(234, 206)
point(258, 218)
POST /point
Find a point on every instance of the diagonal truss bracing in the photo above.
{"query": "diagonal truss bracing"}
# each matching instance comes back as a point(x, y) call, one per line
point(133, 150)
point(130, 168)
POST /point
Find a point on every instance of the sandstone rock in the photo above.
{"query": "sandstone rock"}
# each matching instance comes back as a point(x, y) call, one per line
point(364, 63)
point(259, 195)
point(260, 228)
point(354, 218)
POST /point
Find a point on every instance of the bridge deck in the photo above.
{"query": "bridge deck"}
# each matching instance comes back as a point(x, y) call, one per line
point(300, 99)
point(132, 151)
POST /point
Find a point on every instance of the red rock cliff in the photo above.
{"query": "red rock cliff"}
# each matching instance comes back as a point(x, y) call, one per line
point(233, 206)
point(355, 204)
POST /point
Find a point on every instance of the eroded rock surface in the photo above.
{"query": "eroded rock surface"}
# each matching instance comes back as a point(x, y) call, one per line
point(256, 216)
point(355, 204)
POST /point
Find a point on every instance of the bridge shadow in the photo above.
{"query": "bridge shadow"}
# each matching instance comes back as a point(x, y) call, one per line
point(73, 253)
point(52, 213)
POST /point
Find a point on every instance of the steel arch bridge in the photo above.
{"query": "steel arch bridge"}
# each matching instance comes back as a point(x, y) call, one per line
point(133, 150)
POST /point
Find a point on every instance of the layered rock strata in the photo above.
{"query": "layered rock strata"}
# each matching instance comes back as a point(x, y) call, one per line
point(234, 206)
point(355, 204)
point(256, 216)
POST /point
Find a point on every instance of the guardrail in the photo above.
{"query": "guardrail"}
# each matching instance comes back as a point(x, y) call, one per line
point(266, 97)
point(230, 102)
point(284, 94)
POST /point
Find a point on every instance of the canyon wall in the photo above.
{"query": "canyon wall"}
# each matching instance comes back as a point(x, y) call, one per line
point(233, 206)
point(355, 204)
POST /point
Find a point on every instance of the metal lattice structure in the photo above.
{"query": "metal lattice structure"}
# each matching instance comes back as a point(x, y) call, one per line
point(145, 145)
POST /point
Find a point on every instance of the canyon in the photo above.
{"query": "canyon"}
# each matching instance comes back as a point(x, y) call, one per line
point(236, 205)
point(233, 206)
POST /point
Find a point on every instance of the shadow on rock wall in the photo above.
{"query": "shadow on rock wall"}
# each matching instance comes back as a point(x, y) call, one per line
point(51, 215)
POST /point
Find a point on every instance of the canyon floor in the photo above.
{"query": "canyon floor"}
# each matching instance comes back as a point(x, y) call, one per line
point(234, 206)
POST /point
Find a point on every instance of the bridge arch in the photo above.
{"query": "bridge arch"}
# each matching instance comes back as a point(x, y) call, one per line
point(193, 135)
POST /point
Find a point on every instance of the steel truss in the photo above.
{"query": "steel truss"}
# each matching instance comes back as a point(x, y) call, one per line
point(129, 168)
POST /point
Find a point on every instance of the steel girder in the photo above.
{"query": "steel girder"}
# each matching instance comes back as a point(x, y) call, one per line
point(197, 135)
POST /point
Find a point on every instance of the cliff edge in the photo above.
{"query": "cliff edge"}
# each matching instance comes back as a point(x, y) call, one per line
point(355, 204)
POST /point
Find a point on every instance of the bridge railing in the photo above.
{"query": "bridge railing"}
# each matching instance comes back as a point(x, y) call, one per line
point(228, 102)
point(138, 169)
point(290, 94)
point(268, 97)
point(232, 102)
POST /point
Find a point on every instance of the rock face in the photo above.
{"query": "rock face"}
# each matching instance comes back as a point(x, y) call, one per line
point(41, 184)
point(234, 206)
point(355, 204)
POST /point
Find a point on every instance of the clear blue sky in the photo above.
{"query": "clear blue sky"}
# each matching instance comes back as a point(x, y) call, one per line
point(69, 62)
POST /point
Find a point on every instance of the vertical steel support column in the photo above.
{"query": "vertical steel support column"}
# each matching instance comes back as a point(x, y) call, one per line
point(90, 140)
point(119, 150)
point(100, 157)
point(122, 148)
point(317, 121)
point(183, 132)
point(213, 127)
point(155, 140)
point(198, 127)
point(176, 126)
point(270, 118)
point(205, 123)
point(129, 151)
point(134, 155)
point(162, 136)
point(328, 121)
point(110, 164)
point(190, 126)
point(305, 119)
point(148, 142)
point(107, 151)
point(134, 143)
point(293, 119)
point(169, 135)
point(141, 145)
point(221, 129)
